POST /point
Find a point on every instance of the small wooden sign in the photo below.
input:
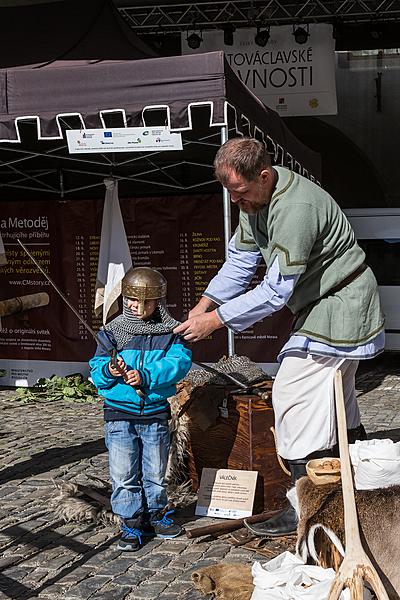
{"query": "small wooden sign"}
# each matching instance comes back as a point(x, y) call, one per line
point(226, 493)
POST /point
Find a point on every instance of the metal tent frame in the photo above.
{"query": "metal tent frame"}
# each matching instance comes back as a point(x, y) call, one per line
point(62, 173)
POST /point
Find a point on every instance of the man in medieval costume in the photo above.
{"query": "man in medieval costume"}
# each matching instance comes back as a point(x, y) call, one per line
point(316, 268)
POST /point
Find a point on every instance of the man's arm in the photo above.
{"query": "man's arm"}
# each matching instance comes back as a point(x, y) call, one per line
point(267, 297)
point(200, 326)
point(232, 279)
point(235, 275)
point(204, 305)
point(241, 312)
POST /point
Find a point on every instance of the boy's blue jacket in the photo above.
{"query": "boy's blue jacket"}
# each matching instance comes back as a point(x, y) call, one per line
point(162, 360)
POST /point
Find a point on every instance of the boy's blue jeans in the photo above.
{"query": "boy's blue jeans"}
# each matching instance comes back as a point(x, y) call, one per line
point(138, 455)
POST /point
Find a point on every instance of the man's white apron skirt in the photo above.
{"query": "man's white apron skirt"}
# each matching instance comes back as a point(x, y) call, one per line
point(304, 403)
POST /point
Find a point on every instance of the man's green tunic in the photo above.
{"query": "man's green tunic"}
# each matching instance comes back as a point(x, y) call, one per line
point(305, 228)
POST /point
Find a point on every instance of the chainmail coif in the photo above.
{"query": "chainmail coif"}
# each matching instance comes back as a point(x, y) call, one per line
point(125, 326)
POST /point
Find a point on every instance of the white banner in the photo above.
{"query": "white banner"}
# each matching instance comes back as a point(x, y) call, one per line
point(122, 139)
point(293, 79)
point(114, 255)
point(3, 258)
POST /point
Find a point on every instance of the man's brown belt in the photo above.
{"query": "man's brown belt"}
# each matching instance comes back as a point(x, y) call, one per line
point(335, 288)
point(346, 281)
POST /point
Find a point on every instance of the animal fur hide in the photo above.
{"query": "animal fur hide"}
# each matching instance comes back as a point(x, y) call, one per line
point(78, 503)
point(81, 504)
point(91, 504)
point(177, 473)
point(225, 581)
point(320, 533)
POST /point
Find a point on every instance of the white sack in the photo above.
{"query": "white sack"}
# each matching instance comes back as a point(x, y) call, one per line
point(376, 463)
point(286, 577)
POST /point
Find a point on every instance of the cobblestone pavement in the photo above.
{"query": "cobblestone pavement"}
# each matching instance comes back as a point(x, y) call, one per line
point(46, 558)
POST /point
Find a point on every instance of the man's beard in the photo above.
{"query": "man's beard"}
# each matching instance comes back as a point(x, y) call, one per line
point(251, 208)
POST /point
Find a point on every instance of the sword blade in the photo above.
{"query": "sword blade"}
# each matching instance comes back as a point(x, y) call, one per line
point(112, 353)
point(225, 376)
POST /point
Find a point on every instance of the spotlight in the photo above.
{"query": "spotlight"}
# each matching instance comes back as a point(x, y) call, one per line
point(301, 35)
point(262, 36)
point(375, 31)
point(194, 40)
point(228, 35)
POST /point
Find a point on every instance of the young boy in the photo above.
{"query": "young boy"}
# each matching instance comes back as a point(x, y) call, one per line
point(136, 409)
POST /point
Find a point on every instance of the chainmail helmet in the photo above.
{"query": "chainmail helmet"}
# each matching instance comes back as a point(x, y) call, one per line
point(143, 283)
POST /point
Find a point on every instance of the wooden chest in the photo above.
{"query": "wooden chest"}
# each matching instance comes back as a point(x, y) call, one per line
point(232, 431)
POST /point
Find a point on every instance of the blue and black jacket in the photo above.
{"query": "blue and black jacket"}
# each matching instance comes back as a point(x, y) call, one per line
point(161, 359)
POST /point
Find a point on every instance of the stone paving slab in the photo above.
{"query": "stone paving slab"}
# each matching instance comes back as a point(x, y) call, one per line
point(42, 557)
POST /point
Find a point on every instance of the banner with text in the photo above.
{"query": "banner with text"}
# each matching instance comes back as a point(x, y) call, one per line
point(293, 79)
point(181, 236)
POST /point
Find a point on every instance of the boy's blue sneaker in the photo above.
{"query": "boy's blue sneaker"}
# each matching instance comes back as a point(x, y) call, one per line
point(131, 536)
point(162, 526)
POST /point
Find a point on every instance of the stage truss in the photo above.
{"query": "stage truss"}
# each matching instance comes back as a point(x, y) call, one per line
point(175, 17)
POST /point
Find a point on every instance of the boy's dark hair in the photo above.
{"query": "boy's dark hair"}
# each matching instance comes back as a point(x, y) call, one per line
point(246, 156)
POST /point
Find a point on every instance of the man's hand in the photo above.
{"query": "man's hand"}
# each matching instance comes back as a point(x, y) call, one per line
point(204, 305)
point(199, 327)
point(133, 378)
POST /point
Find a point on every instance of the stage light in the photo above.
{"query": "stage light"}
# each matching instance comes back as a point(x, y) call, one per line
point(301, 34)
point(228, 35)
point(262, 36)
point(194, 40)
point(375, 31)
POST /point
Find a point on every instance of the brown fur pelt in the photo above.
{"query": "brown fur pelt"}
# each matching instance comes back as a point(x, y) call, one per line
point(79, 503)
point(225, 581)
point(177, 473)
point(321, 527)
point(72, 504)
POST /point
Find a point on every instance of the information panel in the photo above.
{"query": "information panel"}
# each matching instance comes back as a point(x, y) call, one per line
point(181, 236)
point(122, 139)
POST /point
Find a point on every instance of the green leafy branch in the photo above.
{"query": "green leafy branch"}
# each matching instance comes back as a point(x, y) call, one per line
point(72, 388)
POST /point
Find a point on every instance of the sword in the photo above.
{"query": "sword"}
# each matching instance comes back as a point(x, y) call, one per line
point(227, 376)
point(230, 379)
point(112, 353)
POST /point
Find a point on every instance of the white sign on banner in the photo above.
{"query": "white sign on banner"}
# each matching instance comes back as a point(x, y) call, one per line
point(122, 139)
point(291, 78)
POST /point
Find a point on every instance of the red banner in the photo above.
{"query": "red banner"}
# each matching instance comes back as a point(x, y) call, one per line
point(181, 236)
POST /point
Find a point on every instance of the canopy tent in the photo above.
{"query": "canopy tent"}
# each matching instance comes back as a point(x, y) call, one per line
point(198, 95)
point(80, 67)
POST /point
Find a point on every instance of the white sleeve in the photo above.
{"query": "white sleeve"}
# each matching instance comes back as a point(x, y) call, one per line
point(234, 276)
point(266, 298)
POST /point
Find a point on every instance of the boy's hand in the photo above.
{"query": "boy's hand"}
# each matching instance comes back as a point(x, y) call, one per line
point(133, 378)
point(114, 372)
